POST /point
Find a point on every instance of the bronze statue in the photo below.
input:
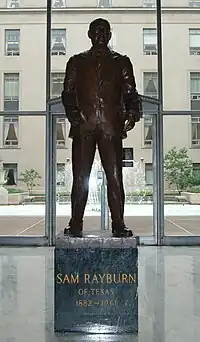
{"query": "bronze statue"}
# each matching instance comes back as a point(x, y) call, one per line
point(102, 105)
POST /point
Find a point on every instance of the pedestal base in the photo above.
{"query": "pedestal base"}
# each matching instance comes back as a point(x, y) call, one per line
point(96, 285)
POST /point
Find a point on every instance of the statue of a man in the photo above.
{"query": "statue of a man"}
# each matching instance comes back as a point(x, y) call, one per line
point(102, 105)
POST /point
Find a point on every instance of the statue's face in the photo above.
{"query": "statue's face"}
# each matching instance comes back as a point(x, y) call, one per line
point(100, 34)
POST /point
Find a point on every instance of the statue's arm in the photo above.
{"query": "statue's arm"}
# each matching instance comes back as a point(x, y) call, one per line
point(131, 97)
point(69, 98)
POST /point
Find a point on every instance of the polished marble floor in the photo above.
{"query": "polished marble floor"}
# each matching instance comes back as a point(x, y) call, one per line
point(169, 296)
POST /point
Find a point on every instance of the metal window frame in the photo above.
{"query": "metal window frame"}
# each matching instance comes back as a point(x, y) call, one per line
point(158, 237)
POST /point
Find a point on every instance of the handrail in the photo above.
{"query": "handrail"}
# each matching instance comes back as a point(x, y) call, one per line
point(144, 98)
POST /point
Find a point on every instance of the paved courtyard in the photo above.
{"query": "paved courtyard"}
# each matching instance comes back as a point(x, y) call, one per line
point(21, 220)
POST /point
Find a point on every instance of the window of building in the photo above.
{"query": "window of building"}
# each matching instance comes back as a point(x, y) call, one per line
point(194, 41)
point(12, 42)
point(195, 130)
point(196, 167)
point(58, 42)
point(60, 174)
point(196, 174)
point(104, 3)
point(150, 41)
point(57, 84)
point(151, 84)
point(10, 130)
point(195, 90)
point(148, 131)
point(150, 88)
point(10, 173)
point(149, 3)
point(194, 3)
point(12, 3)
point(127, 157)
point(61, 132)
point(11, 91)
point(149, 174)
point(58, 3)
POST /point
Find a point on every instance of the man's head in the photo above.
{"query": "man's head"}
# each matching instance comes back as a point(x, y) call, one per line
point(99, 32)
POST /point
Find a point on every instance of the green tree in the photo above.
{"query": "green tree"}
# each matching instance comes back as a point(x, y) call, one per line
point(178, 168)
point(29, 178)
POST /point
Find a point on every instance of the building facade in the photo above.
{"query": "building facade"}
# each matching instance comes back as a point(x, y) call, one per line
point(23, 74)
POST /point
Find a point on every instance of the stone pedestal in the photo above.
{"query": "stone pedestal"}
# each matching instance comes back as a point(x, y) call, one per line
point(3, 196)
point(96, 280)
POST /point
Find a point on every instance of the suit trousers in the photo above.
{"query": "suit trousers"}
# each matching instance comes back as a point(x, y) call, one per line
point(111, 154)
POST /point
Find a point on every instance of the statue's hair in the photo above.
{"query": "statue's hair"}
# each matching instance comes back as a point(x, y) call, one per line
point(98, 21)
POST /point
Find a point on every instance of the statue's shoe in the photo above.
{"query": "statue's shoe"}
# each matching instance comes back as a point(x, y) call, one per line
point(124, 233)
point(73, 233)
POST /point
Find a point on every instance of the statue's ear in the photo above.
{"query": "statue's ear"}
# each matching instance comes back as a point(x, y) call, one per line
point(89, 34)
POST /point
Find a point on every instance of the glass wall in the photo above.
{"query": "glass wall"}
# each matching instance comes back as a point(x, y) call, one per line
point(69, 37)
point(22, 208)
point(24, 146)
point(22, 122)
point(182, 170)
point(181, 86)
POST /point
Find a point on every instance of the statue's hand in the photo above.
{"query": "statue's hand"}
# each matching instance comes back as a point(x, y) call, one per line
point(76, 117)
point(129, 124)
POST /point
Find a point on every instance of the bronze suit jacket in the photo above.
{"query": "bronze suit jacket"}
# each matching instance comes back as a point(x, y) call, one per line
point(101, 91)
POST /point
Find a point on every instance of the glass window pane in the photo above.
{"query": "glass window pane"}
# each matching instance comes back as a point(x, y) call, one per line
point(104, 3)
point(12, 42)
point(58, 42)
point(182, 184)
point(58, 3)
point(13, 3)
point(57, 84)
point(128, 157)
point(195, 90)
point(23, 165)
point(149, 174)
point(150, 41)
point(11, 92)
point(149, 3)
point(150, 84)
point(194, 3)
point(138, 192)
